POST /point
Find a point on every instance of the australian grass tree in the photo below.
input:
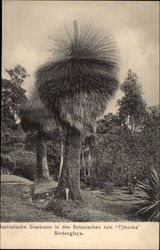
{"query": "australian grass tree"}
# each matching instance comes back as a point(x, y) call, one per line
point(35, 116)
point(76, 87)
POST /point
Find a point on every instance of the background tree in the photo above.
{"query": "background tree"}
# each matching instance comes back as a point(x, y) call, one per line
point(132, 106)
point(35, 116)
point(122, 153)
point(14, 91)
point(12, 95)
point(132, 109)
point(148, 140)
point(76, 88)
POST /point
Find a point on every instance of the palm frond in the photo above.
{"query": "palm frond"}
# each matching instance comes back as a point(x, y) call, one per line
point(77, 86)
point(151, 206)
point(155, 216)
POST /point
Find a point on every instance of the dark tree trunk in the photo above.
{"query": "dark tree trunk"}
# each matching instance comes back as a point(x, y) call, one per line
point(70, 176)
point(42, 164)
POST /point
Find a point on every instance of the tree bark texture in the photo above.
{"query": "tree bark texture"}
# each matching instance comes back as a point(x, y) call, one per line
point(42, 164)
point(70, 175)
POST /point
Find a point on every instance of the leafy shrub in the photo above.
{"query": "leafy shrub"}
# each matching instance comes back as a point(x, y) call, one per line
point(26, 169)
point(7, 164)
point(10, 136)
point(150, 209)
point(25, 163)
point(108, 187)
point(94, 182)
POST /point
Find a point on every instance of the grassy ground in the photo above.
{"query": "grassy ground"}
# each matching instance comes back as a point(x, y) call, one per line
point(16, 209)
point(97, 206)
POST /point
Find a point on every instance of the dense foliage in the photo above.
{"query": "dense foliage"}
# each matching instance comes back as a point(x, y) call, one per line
point(127, 143)
point(121, 157)
point(132, 106)
point(12, 95)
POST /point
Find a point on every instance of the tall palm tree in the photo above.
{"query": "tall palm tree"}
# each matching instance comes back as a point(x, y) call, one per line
point(76, 87)
point(35, 116)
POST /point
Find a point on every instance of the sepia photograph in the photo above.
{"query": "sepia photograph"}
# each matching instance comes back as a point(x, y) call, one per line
point(80, 116)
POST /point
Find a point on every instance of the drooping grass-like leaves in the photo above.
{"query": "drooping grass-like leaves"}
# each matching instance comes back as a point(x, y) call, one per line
point(77, 85)
point(35, 115)
point(150, 209)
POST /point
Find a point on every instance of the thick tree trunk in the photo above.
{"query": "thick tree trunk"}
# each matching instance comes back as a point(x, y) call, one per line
point(42, 164)
point(70, 176)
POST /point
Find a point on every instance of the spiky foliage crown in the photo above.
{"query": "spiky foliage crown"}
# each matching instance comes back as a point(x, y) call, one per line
point(78, 84)
point(34, 114)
